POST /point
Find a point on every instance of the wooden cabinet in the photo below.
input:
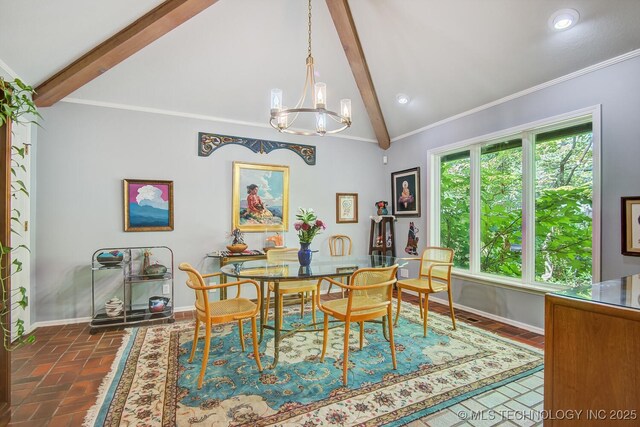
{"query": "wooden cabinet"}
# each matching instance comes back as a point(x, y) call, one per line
point(592, 362)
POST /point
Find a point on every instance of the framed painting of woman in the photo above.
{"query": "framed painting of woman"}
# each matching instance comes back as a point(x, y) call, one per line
point(260, 197)
point(405, 189)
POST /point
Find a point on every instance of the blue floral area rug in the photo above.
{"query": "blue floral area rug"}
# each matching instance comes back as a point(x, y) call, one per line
point(152, 383)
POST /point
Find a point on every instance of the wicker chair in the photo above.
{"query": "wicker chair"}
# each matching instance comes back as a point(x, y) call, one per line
point(435, 276)
point(215, 312)
point(369, 298)
point(339, 245)
point(275, 256)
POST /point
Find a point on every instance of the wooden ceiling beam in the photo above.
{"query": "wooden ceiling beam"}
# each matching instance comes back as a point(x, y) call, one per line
point(117, 48)
point(343, 21)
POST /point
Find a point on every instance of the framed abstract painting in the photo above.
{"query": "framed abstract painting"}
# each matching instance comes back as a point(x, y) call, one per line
point(260, 197)
point(405, 191)
point(148, 205)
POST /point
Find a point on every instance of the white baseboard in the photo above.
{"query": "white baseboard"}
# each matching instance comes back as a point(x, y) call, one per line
point(495, 317)
point(46, 323)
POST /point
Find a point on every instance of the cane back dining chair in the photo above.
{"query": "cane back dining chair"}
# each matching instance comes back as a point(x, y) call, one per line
point(369, 298)
point(339, 245)
point(301, 287)
point(434, 276)
point(215, 312)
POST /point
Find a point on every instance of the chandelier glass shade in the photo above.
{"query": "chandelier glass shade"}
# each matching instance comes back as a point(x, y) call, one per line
point(325, 121)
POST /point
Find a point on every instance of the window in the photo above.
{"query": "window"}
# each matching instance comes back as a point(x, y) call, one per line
point(563, 207)
point(454, 205)
point(520, 208)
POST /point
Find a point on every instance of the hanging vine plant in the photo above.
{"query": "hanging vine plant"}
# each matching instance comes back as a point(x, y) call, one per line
point(16, 105)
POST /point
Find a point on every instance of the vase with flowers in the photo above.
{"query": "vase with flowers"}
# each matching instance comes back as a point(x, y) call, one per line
point(308, 226)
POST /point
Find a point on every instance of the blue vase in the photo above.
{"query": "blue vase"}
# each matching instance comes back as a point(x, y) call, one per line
point(304, 254)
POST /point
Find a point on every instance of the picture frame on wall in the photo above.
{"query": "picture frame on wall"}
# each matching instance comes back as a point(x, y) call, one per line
point(148, 205)
point(260, 197)
point(630, 208)
point(346, 208)
point(405, 192)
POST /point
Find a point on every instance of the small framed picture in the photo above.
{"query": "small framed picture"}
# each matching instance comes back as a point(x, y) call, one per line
point(405, 191)
point(148, 205)
point(631, 226)
point(346, 207)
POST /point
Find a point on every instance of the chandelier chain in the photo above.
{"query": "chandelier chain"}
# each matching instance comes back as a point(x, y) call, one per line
point(309, 48)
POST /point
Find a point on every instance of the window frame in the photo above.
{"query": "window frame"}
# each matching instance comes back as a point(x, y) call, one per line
point(474, 145)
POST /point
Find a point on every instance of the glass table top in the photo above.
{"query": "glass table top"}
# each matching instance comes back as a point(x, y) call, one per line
point(624, 292)
point(320, 267)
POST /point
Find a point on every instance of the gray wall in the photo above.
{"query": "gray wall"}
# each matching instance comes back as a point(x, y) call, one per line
point(617, 89)
point(84, 153)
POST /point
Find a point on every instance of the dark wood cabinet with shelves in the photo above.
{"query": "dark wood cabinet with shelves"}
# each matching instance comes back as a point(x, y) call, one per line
point(382, 236)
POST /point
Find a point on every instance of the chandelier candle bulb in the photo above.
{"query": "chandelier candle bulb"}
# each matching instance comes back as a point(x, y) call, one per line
point(321, 124)
point(283, 120)
point(345, 107)
point(276, 100)
point(320, 91)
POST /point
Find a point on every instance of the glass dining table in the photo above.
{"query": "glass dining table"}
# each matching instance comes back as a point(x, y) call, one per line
point(264, 271)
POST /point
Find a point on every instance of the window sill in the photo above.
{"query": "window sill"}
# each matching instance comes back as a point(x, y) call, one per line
point(531, 288)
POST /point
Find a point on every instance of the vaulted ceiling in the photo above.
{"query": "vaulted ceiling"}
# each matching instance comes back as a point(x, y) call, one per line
point(448, 56)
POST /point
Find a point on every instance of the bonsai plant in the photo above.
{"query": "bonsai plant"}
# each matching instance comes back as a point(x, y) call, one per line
point(16, 106)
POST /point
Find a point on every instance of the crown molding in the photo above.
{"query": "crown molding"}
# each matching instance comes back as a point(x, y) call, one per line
point(8, 70)
point(188, 115)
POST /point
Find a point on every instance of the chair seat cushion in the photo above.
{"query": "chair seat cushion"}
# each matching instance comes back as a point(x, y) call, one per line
point(421, 285)
point(295, 286)
point(235, 306)
point(339, 306)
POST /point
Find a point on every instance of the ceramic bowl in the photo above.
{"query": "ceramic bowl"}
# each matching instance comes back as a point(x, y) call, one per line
point(109, 259)
point(158, 304)
point(237, 248)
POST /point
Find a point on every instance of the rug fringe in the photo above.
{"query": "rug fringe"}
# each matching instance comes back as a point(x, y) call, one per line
point(93, 412)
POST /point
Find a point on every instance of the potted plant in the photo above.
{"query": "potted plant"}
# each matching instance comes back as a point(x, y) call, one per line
point(16, 106)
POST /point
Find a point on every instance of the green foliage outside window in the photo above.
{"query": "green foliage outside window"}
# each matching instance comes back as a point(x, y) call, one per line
point(563, 207)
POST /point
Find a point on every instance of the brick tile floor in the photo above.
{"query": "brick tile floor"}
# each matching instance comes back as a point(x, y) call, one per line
point(56, 380)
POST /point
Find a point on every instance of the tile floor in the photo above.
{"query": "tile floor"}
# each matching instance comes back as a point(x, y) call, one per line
point(56, 380)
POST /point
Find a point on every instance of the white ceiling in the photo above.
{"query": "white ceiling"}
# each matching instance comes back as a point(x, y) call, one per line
point(449, 56)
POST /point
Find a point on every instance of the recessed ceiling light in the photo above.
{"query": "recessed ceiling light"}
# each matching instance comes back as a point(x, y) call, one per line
point(402, 98)
point(564, 19)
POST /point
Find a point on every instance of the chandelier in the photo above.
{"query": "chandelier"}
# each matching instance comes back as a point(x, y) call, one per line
point(282, 118)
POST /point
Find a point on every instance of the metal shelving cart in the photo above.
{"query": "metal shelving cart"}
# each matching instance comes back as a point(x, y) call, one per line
point(133, 287)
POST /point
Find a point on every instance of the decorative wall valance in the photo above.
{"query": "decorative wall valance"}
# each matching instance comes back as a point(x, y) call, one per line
point(210, 142)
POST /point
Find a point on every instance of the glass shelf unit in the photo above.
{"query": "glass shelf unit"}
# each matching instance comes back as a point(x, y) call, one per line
point(126, 281)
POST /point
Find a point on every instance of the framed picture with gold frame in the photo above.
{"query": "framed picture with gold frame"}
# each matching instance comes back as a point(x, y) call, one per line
point(148, 205)
point(346, 207)
point(260, 197)
point(630, 208)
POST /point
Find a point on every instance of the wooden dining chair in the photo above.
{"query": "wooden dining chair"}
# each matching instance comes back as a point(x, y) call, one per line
point(301, 287)
point(434, 276)
point(369, 297)
point(339, 245)
point(223, 311)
